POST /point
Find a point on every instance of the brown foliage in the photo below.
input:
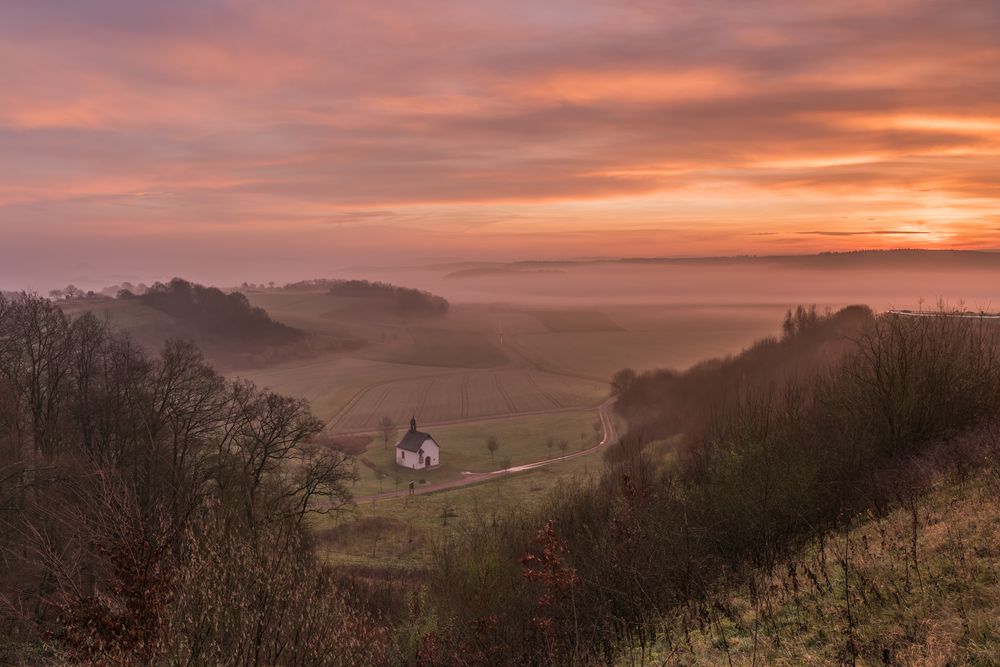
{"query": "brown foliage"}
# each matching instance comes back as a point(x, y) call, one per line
point(151, 511)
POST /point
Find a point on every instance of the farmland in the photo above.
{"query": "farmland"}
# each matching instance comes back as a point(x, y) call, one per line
point(482, 362)
point(442, 347)
point(462, 396)
point(521, 440)
point(400, 532)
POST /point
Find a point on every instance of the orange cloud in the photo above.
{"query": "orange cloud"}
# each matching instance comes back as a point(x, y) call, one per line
point(519, 129)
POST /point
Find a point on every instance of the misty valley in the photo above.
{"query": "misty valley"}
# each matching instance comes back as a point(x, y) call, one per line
point(350, 471)
point(451, 333)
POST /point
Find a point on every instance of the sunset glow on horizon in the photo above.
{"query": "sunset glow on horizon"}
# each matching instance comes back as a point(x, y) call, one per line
point(291, 136)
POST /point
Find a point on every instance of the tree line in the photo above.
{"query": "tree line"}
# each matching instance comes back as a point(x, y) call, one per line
point(212, 311)
point(405, 301)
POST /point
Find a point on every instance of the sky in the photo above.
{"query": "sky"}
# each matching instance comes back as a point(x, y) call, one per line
point(230, 141)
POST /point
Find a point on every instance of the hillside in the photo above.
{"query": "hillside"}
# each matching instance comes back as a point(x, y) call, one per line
point(232, 333)
point(771, 461)
point(213, 312)
point(920, 586)
point(662, 402)
point(379, 297)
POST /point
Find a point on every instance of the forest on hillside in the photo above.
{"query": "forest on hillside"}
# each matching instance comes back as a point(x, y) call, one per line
point(214, 312)
point(727, 472)
point(404, 301)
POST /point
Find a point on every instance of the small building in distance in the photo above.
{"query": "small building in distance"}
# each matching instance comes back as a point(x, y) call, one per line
point(417, 450)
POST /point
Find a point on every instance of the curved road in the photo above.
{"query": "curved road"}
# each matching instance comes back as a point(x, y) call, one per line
point(467, 478)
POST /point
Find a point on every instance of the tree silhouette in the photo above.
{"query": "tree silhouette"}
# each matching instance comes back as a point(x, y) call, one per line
point(386, 428)
point(492, 444)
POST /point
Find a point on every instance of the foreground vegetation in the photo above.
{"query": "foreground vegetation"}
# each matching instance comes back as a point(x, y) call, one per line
point(767, 467)
point(917, 586)
point(154, 512)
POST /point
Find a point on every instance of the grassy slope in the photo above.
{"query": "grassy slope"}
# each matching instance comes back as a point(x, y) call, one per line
point(940, 608)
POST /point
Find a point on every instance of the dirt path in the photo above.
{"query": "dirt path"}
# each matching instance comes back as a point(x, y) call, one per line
point(467, 478)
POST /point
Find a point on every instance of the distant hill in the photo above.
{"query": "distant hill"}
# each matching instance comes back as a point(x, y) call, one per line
point(231, 332)
point(496, 271)
point(403, 301)
point(903, 259)
point(899, 259)
point(215, 313)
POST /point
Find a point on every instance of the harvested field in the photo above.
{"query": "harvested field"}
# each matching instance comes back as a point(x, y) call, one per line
point(472, 395)
point(329, 383)
point(443, 347)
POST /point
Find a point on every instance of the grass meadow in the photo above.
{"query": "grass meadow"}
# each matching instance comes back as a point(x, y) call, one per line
point(400, 532)
point(463, 448)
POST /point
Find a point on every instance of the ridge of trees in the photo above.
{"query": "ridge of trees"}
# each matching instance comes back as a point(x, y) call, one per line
point(215, 312)
point(660, 403)
point(406, 301)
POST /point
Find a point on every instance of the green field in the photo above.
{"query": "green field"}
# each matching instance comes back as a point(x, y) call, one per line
point(400, 532)
point(463, 448)
point(455, 396)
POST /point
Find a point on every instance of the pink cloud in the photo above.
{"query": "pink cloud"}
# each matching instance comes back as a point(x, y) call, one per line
point(725, 119)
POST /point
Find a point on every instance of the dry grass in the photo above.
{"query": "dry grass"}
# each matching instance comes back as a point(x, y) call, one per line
point(924, 593)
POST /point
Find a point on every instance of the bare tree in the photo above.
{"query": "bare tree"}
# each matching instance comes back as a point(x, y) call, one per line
point(492, 444)
point(387, 429)
point(178, 494)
